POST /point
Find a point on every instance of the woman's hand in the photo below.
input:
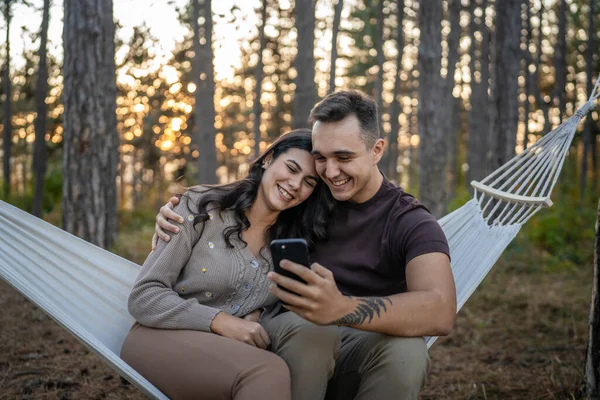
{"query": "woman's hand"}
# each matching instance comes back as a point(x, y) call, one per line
point(241, 330)
point(162, 224)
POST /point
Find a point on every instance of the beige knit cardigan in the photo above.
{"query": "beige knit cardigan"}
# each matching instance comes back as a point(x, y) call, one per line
point(187, 281)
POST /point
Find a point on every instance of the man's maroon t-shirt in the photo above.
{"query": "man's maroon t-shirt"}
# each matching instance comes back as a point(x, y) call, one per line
point(370, 243)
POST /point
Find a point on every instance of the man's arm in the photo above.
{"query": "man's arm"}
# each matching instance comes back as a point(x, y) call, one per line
point(427, 309)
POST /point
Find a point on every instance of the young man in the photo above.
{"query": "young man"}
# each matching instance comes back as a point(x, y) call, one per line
point(380, 282)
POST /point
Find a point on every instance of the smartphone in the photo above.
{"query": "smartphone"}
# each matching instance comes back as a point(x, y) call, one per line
point(295, 250)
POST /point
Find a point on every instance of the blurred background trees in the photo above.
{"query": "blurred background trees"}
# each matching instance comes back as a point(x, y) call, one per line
point(462, 85)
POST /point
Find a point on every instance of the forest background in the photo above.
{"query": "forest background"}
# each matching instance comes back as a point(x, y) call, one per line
point(189, 91)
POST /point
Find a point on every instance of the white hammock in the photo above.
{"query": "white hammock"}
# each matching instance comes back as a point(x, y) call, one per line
point(85, 288)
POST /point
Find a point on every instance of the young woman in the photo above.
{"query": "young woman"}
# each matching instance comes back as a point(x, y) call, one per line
point(198, 297)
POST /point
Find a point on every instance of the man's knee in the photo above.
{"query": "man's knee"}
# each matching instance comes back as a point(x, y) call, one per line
point(302, 335)
point(405, 360)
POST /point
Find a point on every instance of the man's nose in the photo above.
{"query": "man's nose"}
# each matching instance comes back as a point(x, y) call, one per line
point(332, 169)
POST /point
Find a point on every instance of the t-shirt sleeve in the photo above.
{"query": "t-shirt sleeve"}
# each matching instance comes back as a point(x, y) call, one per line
point(418, 233)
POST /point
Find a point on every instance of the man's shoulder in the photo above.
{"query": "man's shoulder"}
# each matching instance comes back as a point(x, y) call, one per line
point(404, 203)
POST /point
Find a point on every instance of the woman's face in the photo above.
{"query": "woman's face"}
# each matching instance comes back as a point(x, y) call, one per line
point(288, 180)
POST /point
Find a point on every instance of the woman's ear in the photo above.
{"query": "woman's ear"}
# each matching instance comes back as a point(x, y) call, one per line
point(267, 161)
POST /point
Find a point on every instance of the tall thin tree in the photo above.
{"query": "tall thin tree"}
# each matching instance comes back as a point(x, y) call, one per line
point(392, 162)
point(588, 141)
point(526, 71)
point(337, 15)
point(90, 152)
point(432, 157)
point(505, 80)
point(451, 105)
point(592, 352)
point(204, 105)
point(479, 116)
point(258, 77)
point(539, 99)
point(7, 120)
point(380, 60)
point(305, 95)
point(39, 152)
point(560, 59)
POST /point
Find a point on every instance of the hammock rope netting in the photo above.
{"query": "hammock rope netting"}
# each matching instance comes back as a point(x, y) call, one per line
point(85, 288)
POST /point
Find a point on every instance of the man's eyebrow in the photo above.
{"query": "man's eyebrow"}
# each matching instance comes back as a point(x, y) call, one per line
point(335, 153)
point(344, 153)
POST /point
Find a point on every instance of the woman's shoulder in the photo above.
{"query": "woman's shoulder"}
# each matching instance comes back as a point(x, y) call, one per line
point(204, 197)
point(196, 192)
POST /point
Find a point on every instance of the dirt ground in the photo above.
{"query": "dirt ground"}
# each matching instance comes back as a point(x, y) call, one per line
point(521, 336)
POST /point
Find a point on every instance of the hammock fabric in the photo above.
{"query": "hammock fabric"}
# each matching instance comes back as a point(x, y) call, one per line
point(85, 288)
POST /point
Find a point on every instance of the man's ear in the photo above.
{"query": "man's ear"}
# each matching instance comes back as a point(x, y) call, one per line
point(377, 150)
point(267, 160)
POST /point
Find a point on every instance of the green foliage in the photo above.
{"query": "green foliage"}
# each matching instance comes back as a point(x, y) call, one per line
point(563, 234)
point(556, 239)
point(566, 230)
point(136, 228)
point(462, 195)
point(52, 193)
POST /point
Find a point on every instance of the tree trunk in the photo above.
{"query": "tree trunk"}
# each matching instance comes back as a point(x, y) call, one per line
point(450, 107)
point(7, 121)
point(39, 155)
point(380, 61)
point(305, 95)
point(587, 128)
point(204, 105)
point(335, 29)
point(527, 73)
point(392, 163)
point(135, 178)
point(542, 104)
point(592, 356)
point(90, 152)
point(479, 117)
point(560, 61)
point(590, 77)
point(258, 77)
point(432, 157)
point(505, 81)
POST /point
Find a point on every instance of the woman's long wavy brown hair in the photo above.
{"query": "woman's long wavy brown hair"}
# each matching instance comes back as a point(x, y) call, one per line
point(308, 220)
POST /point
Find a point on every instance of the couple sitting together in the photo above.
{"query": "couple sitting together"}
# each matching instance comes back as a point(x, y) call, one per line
point(214, 321)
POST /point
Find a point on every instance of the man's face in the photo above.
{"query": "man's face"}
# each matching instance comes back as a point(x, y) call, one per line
point(343, 160)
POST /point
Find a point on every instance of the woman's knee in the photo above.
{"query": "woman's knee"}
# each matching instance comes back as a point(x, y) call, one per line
point(268, 370)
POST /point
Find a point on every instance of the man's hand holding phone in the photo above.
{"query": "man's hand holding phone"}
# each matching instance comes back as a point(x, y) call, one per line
point(317, 299)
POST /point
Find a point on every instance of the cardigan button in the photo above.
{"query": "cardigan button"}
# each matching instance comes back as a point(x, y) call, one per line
point(254, 264)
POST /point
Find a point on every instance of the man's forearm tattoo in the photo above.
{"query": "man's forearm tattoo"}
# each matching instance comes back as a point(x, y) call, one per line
point(365, 311)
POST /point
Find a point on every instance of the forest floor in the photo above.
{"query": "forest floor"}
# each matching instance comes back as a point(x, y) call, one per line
point(522, 335)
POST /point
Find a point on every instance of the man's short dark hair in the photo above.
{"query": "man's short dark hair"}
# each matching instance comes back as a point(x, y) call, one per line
point(337, 106)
